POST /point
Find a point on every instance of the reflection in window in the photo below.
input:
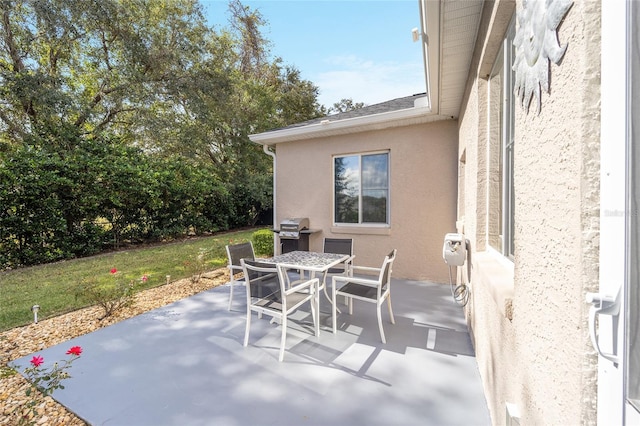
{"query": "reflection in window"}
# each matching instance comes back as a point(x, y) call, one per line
point(361, 188)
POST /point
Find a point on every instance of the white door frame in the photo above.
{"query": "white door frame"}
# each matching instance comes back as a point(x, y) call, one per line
point(613, 213)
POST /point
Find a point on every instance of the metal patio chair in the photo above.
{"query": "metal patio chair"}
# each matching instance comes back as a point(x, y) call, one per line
point(270, 292)
point(339, 246)
point(235, 253)
point(372, 290)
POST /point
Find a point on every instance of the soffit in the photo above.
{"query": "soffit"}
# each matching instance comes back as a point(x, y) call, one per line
point(459, 20)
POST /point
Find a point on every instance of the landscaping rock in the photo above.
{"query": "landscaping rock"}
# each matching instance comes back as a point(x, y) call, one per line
point(22, 341)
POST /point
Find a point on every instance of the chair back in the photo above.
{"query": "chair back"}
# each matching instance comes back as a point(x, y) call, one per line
point(385, 271)
point(262, 280)
point(237, 252)
point(338, 246)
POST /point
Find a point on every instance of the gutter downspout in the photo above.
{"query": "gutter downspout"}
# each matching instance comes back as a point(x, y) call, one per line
point(272, 154)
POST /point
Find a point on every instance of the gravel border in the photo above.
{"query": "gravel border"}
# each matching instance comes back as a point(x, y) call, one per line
point(22, 341)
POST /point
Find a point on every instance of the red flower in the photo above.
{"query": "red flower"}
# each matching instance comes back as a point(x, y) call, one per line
point(144, 278)
point(113, 271)
point(75, 350)
point(37, 360)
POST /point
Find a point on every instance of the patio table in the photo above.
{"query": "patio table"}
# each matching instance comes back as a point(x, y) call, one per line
point(313, 262)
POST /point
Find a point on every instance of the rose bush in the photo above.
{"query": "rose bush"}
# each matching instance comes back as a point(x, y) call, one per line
point(43, 382)
point(111, 296)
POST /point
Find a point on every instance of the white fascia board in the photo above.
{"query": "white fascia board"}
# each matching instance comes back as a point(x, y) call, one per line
point(404, 117)
point(430, 23)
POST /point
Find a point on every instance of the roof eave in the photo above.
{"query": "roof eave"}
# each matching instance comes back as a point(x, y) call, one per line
point(404, 117)
point(430, 40)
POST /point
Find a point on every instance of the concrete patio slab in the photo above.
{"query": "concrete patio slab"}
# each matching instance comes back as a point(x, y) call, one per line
point(184, 364)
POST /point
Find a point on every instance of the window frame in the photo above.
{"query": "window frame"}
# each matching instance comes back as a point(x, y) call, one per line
point(360, 222)
point(503, 66)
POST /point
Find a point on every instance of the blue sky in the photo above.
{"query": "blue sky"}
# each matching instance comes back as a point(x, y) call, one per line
point(358, 49)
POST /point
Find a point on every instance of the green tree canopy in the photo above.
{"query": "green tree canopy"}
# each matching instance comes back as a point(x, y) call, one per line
point(90, 64)
point(128, 120)
point(150, 71)
point(345, 104)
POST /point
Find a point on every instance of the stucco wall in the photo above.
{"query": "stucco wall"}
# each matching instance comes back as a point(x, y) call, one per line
point(423, 174)
point(528, 317)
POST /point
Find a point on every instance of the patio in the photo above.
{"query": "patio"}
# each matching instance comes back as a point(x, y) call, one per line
point(185, 364)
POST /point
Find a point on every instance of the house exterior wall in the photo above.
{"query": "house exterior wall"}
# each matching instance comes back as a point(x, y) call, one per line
point(423, 173)
point(527, 316)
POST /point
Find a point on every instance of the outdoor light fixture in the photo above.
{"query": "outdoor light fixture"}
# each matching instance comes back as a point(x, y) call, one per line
point(35, 309)
point(415, 34)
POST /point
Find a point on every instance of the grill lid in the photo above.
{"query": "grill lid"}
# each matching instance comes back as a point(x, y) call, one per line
point(291, 227)
point(298, 223)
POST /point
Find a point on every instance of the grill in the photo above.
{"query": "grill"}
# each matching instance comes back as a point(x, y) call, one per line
point(292, 236)
point(291, 228)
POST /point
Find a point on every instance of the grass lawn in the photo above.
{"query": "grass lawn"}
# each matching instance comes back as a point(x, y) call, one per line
point(55, 287)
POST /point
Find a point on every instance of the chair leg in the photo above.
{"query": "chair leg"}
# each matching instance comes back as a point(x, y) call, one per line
point(334, 303)
point(393, 321)
point(248, 327)
point(316, 320)
point(230, 294)
point(380, 323)
point(283, 338)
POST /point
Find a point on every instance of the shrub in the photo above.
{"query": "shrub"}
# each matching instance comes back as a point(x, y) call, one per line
point(197, 265)
point(263, 242)
point(111, 297)
point(98, 193)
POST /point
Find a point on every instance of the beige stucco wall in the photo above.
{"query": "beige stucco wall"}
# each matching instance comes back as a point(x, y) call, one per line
point(528, 317)
point(423, 170)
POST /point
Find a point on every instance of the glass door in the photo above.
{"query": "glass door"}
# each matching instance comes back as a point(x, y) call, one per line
point(617, 334)
point(632, 308)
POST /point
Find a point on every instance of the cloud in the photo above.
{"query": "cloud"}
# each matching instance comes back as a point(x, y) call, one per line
point(368, 81)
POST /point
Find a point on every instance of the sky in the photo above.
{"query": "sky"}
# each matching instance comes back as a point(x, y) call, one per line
point(357, 49)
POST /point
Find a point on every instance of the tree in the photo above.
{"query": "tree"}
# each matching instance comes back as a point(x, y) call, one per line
point(254, 48)
point(233, 92)
point(345, 105)
point(90, 64)
point(149, 71)
point(129, 120)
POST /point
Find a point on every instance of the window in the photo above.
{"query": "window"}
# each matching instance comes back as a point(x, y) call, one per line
point(501, 201)
point(361, 189)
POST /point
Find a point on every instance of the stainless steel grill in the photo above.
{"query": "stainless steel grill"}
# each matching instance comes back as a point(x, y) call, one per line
point(294, 234)
point(291, 228)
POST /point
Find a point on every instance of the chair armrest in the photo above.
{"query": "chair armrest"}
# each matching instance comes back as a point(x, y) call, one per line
point(303, 285)
point(267, 276)
point(365, 268)
point(296, 282)
point(348, 265)
point(236, 268)
point(363, 281)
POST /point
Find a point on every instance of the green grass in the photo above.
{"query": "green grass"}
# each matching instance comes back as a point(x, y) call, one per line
point(55, 286)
